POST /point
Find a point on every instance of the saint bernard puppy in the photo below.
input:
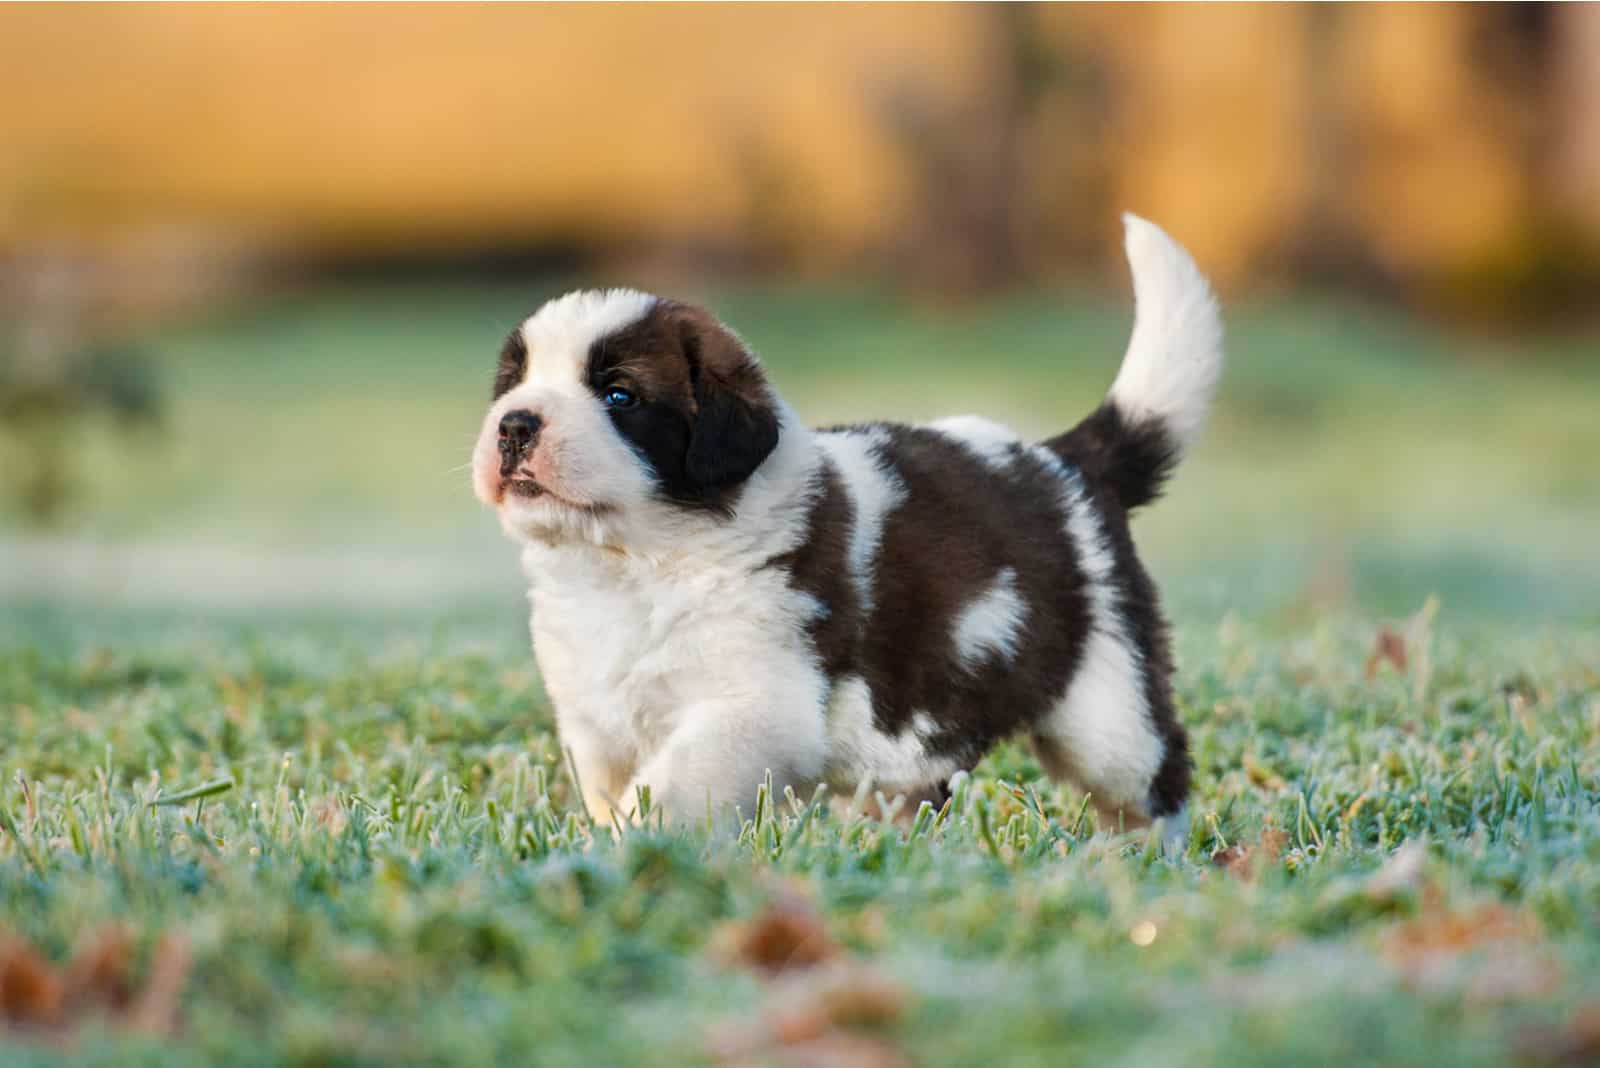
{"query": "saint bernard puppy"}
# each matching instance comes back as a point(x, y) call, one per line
point(719, 592)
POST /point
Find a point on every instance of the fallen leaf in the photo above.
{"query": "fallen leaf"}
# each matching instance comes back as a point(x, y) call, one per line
point(38, 995)
point(842, 1050)
point(856, 996)
point(1234, 858)
point(793, 1023)
point(1442, 930)
point(32, 992)
point(1245, 861)
point(786, 934)
point(1389, 647)
point(1487, 953)
point(155, 1011)
point(817, 1013)
point(98, 971)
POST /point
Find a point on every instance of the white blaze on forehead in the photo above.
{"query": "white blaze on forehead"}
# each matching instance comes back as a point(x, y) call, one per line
point(580, 458)
point(992, 623)
point(1103, 720)
point(874, 491)
point(559, 334)
point(996, 444)
point(858, 750)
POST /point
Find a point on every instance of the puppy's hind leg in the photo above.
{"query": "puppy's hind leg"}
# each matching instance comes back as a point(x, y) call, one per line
point(1115, 736)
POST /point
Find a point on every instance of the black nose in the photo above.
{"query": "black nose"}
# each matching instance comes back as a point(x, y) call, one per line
point(518, 431)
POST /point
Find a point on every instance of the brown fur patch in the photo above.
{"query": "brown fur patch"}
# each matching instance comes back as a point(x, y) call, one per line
point(513, 364)
point(962, 521)
point(819, 566)
point(705, 418)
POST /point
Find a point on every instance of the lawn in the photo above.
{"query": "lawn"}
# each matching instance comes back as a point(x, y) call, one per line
point(279, 784)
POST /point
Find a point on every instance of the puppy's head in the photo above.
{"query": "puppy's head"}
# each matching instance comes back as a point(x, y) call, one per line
point(610, 404)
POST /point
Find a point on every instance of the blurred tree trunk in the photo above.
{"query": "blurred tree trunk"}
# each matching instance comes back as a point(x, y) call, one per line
point(1575, 89)
point(969, 161)
point(1326, 244)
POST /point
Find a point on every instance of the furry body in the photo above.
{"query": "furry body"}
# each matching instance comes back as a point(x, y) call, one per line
point(718, 592)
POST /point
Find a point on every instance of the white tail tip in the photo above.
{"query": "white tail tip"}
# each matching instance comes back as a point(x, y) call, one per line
point(1175, 354)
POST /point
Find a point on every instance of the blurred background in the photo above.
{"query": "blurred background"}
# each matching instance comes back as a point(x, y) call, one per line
point(256, 262)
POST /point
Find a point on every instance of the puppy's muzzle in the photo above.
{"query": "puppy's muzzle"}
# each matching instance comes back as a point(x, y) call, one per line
point(518, 432)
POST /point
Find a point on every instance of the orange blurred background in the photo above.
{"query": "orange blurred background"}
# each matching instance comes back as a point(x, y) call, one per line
point(1450, 153)
point(255, 261)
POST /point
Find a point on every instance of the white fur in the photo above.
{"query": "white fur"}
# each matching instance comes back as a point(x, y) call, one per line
point(559, 333)
point(686, 668)
point(1102, 724)
point(585, 462)
point(1175, 354)
point(677, 657)
point(874, 491)
point(857, 750)
point(992, 623)
point(994, 443)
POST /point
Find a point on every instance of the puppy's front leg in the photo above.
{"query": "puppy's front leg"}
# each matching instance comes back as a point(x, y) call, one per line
point(720, 751)
point(602, 768)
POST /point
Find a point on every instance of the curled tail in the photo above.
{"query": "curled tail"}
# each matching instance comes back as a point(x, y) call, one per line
point(1158, 403)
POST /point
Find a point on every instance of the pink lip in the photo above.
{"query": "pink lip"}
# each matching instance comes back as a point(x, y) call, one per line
point(523, 485)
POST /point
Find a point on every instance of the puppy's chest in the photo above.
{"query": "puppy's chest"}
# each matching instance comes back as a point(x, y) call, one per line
point(628, 649)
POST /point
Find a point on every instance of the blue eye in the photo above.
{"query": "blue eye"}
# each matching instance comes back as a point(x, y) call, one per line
point(617, 397)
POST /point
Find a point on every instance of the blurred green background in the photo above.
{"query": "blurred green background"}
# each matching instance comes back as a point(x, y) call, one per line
point(257, 263)
point(311, 448)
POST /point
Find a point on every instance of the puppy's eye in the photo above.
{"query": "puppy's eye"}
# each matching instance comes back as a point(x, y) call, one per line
point(617, 397)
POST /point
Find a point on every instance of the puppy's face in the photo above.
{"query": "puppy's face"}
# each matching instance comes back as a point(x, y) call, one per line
point(609, 406)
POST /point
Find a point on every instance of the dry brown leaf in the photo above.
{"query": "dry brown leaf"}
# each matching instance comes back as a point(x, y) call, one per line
point(1442, 930)
point(859, 997)
point(1240, 860)
point(830, 1049)
point(1488, 953)
point(1235, 858)
point(816, 1011)
point(786, 934)
point(155, 1010)
point(32, 992)
point(1389, 647)
point(98, 971)
point(815, 998)
point(36, 994)
point(800, 1021)
point(840, 1049)
point(1245, 860)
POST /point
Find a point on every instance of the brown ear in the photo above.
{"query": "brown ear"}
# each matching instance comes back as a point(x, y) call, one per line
point(736, 421)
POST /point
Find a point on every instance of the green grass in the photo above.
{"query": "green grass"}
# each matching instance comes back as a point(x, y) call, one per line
point(399, 873)
point(291, 591)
